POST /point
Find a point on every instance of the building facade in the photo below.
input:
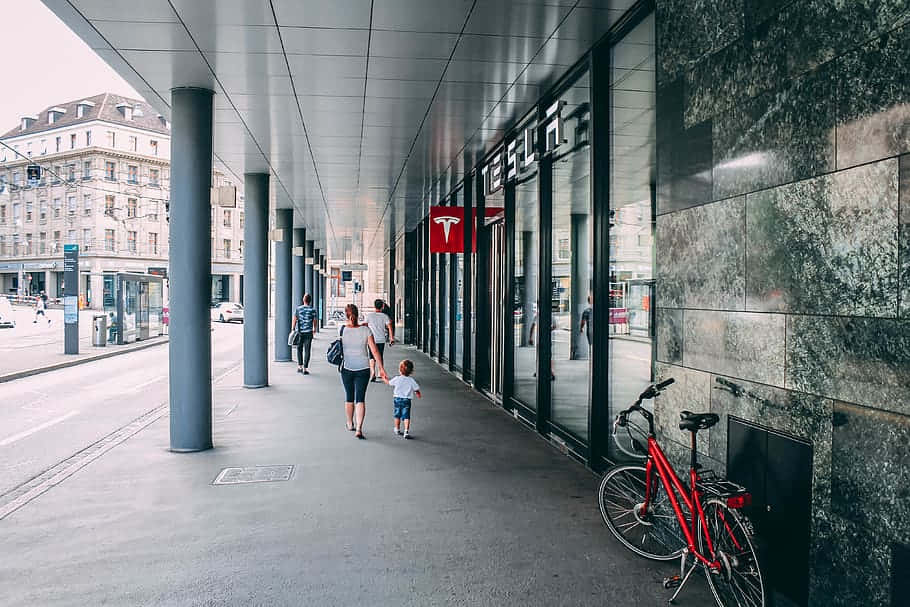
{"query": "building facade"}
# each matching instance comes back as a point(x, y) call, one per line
point(711, 195)
point(104, 186)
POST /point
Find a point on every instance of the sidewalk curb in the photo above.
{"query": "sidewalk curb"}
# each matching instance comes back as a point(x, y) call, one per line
point(79, 361)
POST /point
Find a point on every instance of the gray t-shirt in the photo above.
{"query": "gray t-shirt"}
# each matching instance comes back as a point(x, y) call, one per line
point(377, 322)
point(356, 351)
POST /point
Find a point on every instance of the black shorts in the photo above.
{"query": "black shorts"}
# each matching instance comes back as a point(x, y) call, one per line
point(381, 348)
point(355, 385)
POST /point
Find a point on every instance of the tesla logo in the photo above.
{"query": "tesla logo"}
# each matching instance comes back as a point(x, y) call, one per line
point(447, 222)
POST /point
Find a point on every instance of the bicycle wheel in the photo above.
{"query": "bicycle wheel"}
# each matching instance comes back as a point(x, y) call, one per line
point(739, 582)
point(655, 535)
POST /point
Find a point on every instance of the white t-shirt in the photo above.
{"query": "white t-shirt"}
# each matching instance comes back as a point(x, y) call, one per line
point(403, 386)
point(354, 343)
point(377, 322)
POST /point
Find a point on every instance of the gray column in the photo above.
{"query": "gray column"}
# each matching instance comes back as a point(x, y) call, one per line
point(298, 270)
point(323, 284)
point(580, 284)
point(190, 271)
point(283, 219)
point(317, 291)
point(256, 281)
point(308, 253)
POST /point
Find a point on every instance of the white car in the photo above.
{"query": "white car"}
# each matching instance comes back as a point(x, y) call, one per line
point(6, 314)
point(227, 311)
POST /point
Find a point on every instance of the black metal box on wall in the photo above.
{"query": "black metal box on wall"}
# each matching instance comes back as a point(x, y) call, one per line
point(777, 469)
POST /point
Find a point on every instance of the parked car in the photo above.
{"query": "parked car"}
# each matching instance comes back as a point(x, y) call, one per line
point(7, 321)
point(227, 311)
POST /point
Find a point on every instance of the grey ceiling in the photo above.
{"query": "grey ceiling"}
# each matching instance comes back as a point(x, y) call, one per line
point(363, 111)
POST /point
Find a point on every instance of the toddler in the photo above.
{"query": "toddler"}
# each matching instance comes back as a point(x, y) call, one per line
point(404, 389)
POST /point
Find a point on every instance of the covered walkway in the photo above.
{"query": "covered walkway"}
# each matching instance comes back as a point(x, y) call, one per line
point(475, 510)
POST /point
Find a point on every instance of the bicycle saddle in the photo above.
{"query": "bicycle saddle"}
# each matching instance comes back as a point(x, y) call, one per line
point(694, 422)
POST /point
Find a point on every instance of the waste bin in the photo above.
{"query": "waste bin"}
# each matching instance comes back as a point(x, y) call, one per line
point(99, 330)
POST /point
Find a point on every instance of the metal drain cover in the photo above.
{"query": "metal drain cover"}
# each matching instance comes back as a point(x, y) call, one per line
point(253, 474)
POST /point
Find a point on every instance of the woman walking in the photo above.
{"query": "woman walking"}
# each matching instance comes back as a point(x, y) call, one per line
point(357, 343)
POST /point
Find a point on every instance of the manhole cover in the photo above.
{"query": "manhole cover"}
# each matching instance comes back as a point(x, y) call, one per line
point(253, 474)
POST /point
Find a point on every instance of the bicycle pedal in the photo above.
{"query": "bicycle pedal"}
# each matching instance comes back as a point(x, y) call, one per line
point(672, 582)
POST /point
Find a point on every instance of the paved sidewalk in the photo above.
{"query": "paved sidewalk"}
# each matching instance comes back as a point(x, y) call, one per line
point(475, 510)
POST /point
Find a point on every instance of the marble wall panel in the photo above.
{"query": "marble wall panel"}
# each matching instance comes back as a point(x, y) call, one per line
point(687, 30)
point(865, 361)
point(904, 237)
point(826, 245)
point(669, 335)
point(743, 345)
point(778, 137)
point(874, 109)
point(802, 415)
point(700, 257)
point(690, 392)
point(873, 492)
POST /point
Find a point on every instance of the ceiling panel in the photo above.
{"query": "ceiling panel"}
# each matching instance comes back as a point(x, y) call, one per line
point(319, 13)
point(323, 41)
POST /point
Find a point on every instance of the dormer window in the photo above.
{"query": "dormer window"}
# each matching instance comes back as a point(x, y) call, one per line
point(27, 121)
point(126, 110)
point(54, 114)
point(83, 106)
point(137, 111)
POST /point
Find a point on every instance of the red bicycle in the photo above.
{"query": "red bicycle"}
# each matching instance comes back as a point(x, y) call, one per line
point(643, 507)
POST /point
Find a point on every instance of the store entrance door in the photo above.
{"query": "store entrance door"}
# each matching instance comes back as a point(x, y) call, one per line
point(497, 299)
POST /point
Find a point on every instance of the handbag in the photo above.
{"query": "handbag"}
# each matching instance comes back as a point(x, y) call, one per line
point(335, 354)
point(294, 338)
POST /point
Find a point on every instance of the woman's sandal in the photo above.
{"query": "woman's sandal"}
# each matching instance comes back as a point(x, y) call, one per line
point(359, 435)
point(349, 426)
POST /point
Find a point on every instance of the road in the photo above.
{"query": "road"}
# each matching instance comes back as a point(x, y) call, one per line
point(46, 418)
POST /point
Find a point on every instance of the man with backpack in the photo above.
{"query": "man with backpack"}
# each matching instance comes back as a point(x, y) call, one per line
point(302, 323)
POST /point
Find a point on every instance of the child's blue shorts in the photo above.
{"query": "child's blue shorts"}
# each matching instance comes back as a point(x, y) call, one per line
point(402, 408)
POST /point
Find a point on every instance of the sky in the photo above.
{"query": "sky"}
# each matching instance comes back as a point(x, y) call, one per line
point(46, 63)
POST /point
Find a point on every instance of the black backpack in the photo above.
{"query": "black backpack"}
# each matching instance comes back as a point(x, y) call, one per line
point(335, 353)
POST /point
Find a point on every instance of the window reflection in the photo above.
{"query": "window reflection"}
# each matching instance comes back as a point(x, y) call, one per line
point(632, 175)
point(524, 305)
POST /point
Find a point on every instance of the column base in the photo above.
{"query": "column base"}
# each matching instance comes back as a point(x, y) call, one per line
point(254, 386)
point(283, 360)
point(179, 450)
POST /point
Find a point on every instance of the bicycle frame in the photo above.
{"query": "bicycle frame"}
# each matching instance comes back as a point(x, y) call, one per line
point(673, 485)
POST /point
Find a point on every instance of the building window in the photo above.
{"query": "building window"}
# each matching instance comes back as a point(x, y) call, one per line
point(109, 205)
point(58, 174)
point(17, 213)
point(28, 211)
point(240, 249)
point(56, 244)
point(86, 204)
point(227, 248)
point(130, 207)
point(71, 172)
point(70, 205)
point(154, 177)
point(227, 218)
point(28, 243)
point(87, 238)
point(87, 169)
point(57, 141)
point(131, 241)
point(71, 236)
point(134, 143)
point(73, 141)
point(15, 244)
point(17, 178)
point(56, 208)
point(43, 147)
point(132, 173)
point(42, 211)
point(88, 138)
point(42, 243)
point(241, 220)
point(2, 245)
point(111, 139)
point(109, 242)
point(154, 145)
point(153, 243)
point(2, 213)
point(152, 210)
point(110, 170)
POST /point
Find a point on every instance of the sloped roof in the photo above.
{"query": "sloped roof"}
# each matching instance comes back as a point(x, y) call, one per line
point(105, 108)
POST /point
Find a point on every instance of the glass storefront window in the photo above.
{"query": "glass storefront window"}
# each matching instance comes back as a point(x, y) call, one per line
point(632, 154)
point(525, 292)
point(572, 297)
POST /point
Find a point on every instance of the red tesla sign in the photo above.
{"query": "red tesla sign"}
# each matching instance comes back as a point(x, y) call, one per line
point(447, 228)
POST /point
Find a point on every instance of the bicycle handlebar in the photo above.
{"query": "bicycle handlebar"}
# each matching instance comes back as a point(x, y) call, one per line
point(650, 392)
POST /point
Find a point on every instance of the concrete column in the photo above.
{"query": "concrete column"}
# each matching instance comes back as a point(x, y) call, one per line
point(298, 268)
point(308, 282)
point(283, 219)
point(256, 280)
point(317, 291)
point(580, 277)
point(190, 351)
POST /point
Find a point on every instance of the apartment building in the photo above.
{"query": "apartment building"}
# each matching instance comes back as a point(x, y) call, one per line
point(104, 185)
